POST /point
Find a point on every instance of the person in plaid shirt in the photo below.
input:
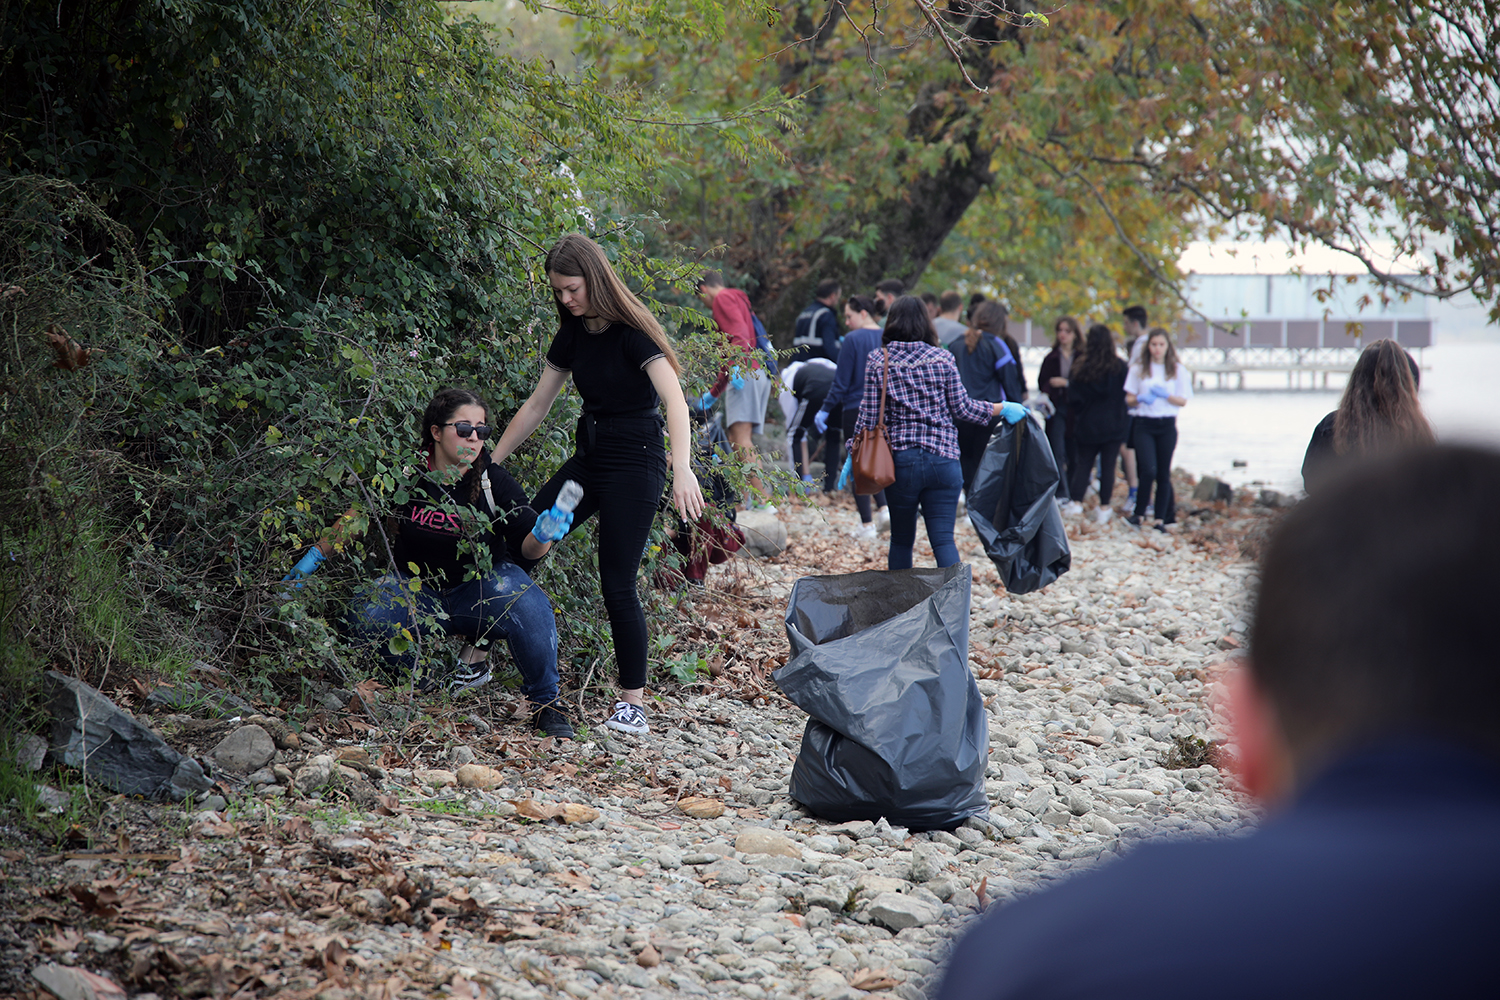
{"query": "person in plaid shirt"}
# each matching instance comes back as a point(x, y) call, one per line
point(923, 398)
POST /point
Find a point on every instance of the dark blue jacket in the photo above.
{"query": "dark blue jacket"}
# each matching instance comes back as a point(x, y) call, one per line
point(849, 381)
point(1381, 880)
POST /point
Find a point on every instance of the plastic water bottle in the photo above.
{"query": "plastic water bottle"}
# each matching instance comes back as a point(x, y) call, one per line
point(567, 499)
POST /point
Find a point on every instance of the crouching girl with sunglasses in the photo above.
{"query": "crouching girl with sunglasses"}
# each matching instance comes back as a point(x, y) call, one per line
point(462, 503)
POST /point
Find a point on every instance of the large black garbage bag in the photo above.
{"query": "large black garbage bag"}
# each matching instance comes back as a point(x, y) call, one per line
point(1011, 507)
point(898, 729)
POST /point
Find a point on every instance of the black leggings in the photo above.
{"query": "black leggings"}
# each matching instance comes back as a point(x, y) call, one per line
point(1064, 450)
point(622, 478)
point(861, 502)
point(1088, 453)
point(1155, 440)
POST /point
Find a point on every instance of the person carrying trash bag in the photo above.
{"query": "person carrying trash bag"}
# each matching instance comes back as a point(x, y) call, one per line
point(898, 728)
point(1013, 509)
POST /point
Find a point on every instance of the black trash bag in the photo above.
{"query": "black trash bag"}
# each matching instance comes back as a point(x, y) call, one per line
point(880, 660)
point(1011, 507)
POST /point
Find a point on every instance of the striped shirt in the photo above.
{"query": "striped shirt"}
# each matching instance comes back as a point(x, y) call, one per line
point(924, 398)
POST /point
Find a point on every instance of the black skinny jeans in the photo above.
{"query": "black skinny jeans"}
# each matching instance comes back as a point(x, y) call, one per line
point(862, 503)
point(1155, 440)
point(1090, 452)
point(622, 476)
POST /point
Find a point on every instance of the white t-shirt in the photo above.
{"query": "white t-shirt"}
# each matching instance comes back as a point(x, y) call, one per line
point(1138, 386)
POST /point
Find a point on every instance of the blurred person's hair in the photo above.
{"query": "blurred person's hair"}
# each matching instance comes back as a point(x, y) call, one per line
point(1380, 410)
point(1168, 361)
point(1373, 614)
point(1099, 359)
point(908, 320)
point(1137, 313)
point(861, 303)
point(827, 287)
point(949, 301)
point(891, 286)
point(929, 300)
point(991, 317)
point(1077, 333)
point(711, 279)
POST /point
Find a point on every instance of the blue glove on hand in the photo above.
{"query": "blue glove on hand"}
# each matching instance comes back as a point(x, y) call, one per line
point(706, 401)
point(552, 525)
point(1012, 413)
point(735, 379)
point(846, 473)
point(820, 421)
point(306, 565)
point(1159, 392)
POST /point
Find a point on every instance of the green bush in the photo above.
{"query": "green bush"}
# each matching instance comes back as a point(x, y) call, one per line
point(277, 229)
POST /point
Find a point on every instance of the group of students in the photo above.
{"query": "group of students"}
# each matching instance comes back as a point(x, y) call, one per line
point(1109, 409)
point(1099, 406)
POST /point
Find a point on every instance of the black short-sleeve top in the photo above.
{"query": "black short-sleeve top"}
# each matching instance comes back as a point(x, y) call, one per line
point(608, 367)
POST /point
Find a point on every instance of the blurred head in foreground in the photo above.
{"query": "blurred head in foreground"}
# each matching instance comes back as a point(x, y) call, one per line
point(1369, 708)
point(1373, 620)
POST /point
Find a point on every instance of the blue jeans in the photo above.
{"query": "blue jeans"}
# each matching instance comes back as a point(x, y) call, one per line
point(931, 482)
point(502, 604)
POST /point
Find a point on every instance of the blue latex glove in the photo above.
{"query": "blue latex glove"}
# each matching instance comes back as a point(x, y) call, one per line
point(735, 379)
point(846, 473)
point(560, 521)
point(306, 566)
point(706, 401)
point(1160, 392)
point(820, 421)
point(1012, 413)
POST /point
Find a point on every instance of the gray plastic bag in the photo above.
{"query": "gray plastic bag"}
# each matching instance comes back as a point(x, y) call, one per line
point(1012, 509)
point(898, 729)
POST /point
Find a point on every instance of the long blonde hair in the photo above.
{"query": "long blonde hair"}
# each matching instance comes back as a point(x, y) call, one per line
point(577, 256)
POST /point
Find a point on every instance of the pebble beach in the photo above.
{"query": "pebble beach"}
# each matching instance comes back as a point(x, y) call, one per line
point(490, 863)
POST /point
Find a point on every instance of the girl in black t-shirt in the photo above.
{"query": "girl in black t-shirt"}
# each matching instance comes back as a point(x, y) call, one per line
point(624, 369)
point(464, 507)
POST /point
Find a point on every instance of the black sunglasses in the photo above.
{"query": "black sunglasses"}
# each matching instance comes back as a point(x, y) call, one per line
point(463, 428)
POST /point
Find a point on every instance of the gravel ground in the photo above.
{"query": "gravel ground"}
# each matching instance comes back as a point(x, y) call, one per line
point(680, 866)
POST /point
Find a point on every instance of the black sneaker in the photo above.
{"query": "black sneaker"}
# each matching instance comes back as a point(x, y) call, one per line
point(551, 722)
point(459, 677)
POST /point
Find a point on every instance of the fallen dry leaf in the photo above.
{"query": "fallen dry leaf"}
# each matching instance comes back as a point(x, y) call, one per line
point(573, 812)
point(872, 979)
point(701, 807)
point(534, 810)
point(479, 776)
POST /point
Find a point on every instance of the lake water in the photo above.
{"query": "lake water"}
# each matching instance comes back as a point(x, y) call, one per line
point(1268, 429)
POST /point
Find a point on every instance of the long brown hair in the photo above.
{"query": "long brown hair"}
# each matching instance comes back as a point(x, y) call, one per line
point(1099, 359)
point(1168, 360)
point(1077, 334)
point(576, 256)
point(1380, 409)
point(990, 317)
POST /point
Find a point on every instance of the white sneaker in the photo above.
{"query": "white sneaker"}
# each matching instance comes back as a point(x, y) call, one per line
point(865, 531)
point(1103, 514)
point(883, 519)
point(963, 500)
point(1072, 507)
point(628, 718)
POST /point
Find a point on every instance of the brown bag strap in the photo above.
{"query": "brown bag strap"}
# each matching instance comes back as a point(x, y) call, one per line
point(885, 380)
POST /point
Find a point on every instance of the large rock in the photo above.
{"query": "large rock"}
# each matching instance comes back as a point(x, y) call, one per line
point(314, 773)
point(897, 912)
point(1210, 489)
point(248, 748)
point(104, 741)
point(765, 535)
